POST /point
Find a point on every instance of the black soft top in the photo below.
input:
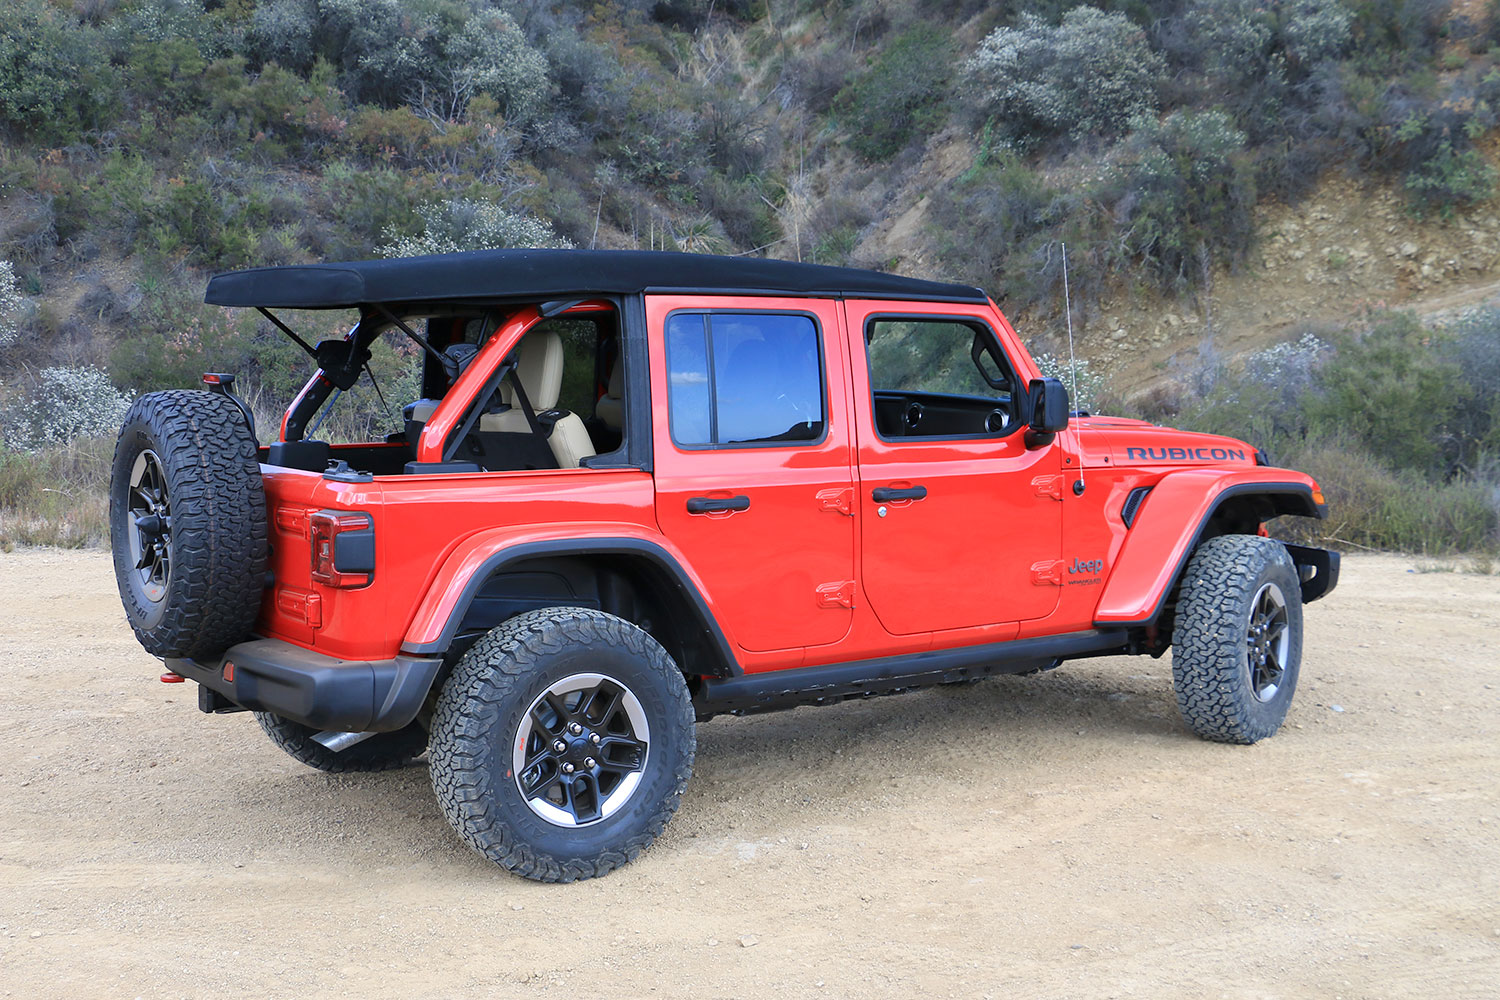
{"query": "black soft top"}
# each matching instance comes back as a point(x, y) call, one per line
point(546, 274)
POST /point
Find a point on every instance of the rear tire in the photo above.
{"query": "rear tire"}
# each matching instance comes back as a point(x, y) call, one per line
point(590, 715)
point(381, 752)
point(1237, 642)
point(187, 523)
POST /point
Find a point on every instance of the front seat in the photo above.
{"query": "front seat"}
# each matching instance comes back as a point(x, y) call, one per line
point(539, 368)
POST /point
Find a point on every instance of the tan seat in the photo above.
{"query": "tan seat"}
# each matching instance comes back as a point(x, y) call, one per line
point(610, 407)
point(540, 371)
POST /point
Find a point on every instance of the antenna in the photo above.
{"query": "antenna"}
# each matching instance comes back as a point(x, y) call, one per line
point(1072, 364)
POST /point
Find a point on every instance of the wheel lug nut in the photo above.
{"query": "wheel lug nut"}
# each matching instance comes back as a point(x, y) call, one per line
point(559, 746)
point(567, 769)
point(575, 728)
point(588, 762)
point(594, 739)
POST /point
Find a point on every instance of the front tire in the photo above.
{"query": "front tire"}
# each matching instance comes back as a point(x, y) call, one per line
point(562, 743)
point(1237, 643)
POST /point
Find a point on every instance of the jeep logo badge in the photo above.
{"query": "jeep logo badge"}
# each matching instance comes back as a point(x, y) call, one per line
point(1088, 567)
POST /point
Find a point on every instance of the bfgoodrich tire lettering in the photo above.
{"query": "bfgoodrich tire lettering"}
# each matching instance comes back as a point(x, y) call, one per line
point(1240, 598)
point(484, 707)
point(186, 490)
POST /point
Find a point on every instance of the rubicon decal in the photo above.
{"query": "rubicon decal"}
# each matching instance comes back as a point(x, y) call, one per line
point(1184, 454)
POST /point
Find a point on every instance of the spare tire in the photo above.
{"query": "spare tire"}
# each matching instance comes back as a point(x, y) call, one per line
point(187, 523)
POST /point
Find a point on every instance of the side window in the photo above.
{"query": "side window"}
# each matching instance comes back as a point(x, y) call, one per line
point(938, 378)
point(744, 378)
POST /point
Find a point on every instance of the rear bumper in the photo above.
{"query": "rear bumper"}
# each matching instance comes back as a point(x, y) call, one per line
point(318, 691)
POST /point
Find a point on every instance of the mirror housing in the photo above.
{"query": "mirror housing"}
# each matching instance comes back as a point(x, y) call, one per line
point(1047, 404)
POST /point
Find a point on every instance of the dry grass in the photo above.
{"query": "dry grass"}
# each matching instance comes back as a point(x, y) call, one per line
point(56, 497)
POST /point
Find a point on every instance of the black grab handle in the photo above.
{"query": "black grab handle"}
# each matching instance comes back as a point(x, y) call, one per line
point(715, 505)
point(889, 494)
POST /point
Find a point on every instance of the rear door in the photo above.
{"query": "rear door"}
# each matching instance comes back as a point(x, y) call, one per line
point(753, 461)
point(961, 523)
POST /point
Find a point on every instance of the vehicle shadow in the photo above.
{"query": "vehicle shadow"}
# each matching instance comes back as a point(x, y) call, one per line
point(802, 764)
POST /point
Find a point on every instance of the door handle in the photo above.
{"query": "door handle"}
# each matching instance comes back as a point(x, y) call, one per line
point(889, 494)
point(717, 505)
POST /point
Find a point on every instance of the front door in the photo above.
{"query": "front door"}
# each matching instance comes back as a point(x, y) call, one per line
point(961, 522)
point(753, 461)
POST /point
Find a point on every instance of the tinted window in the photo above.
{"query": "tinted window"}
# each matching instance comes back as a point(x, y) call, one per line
point(744, 378)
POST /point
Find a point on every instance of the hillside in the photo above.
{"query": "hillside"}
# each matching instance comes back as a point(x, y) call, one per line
point(1227, 175)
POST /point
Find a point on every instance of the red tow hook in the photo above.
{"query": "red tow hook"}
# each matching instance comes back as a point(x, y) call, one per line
point(171, 678)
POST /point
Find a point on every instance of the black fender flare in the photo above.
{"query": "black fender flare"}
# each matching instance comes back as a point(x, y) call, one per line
point(669, 570)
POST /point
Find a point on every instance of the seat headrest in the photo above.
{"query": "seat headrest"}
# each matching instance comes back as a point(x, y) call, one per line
point(540, 369)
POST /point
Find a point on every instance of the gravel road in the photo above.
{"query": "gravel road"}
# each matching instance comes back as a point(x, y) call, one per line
point(1051, 836)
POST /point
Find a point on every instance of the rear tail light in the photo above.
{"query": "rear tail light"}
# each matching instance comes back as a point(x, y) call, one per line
point(343, 548)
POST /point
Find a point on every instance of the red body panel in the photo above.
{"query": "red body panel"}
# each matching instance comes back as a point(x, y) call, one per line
point(1004, 545)
point(1164, 531)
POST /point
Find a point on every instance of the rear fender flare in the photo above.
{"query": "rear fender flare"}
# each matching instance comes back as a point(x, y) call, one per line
point(463, 574)
point(1172, 521)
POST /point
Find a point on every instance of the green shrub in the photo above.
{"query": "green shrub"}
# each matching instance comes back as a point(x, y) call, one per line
point(55, 77)
point(900, 97)
point(1183, 193)
point(1393, 393)
point(1372, 507)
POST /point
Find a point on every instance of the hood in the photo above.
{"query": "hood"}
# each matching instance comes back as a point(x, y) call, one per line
point(1120, 441)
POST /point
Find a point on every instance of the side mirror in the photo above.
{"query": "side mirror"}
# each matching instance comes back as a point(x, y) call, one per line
point(1047, 401)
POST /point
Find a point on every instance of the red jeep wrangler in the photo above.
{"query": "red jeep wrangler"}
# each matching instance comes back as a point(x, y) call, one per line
point(634, 489)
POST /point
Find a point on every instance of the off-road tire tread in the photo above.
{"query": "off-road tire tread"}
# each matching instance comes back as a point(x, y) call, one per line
point(382, 752)
point(1208, 644)
point(464, 735)
point(218, 529)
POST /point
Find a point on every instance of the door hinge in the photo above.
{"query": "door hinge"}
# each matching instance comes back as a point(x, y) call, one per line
point(837, 500)
point(836, 595)
point(1048, 486)
point(1047, 573)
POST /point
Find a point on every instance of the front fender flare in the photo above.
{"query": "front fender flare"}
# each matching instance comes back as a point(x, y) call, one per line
point(483, 555)
point(1170, 524)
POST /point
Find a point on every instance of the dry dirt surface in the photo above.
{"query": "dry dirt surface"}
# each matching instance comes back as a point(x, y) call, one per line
point(1059, 835)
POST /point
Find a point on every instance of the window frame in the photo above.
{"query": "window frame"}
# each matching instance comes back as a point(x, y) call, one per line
point(713, 394)
point(980, 326)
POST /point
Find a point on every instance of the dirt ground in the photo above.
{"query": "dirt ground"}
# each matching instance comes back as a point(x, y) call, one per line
point(1059, 835)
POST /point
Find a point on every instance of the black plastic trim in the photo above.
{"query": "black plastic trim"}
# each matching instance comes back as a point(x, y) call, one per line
point(318, 691)
point(1244, 489)
point(1132, 507)
point(580, 547)
point(765, 692)
point(1324, 566)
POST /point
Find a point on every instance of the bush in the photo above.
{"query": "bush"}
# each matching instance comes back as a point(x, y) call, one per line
point(1089, 75)
point(64, 404)
point(1393, 393)
point(55, 77)
point(460, 224)
point(438, 54)
point(1183, 194)
point(1372, 507)
point(10, 303)
point(900, 96)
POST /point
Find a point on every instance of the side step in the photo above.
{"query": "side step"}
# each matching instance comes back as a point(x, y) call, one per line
point(835, 682)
